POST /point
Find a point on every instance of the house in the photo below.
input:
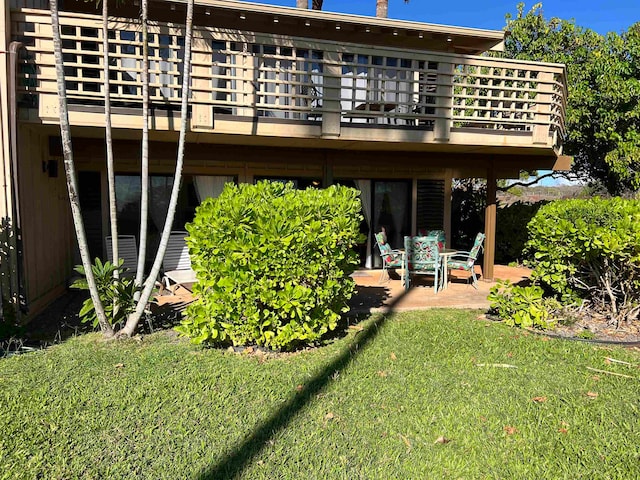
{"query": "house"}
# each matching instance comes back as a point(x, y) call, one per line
point(395, 108)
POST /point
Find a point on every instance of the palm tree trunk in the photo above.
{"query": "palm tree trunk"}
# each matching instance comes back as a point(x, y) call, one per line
point(113, 210)
point(316, 4)
point(302, 4)
point(144, 175)
point(134, 318)
point(70, 172)
point(382, 8)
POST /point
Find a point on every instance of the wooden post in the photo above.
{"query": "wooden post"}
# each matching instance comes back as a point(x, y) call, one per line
point(331, 95)
point(444, 102)
point(490, 226)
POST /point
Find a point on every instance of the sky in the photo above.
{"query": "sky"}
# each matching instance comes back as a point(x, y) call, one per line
point(600, 15)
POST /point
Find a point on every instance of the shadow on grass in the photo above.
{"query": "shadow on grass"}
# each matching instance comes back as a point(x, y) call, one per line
point(234, 463)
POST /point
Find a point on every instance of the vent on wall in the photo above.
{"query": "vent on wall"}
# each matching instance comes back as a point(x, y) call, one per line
point(430, 205)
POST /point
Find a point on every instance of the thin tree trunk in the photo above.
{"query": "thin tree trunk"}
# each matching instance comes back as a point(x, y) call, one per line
point(113, 211)
point(302, 4)
point(382, 8)
point(134, 318)
point(144, 175)
point(70, 172)
point(316, 4)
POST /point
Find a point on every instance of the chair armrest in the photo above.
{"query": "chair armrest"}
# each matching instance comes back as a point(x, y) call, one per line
point(459, 256)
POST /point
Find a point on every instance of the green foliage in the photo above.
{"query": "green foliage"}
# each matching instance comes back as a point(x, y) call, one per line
point(511, 230)
point(603, 76)
point(116, 295)
point(273, 264)
point(468, 200)
point(589, 249)
point(523, 306)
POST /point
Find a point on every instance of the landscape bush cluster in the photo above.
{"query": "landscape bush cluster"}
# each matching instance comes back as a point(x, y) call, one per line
point(273, 264)
point(587, 252)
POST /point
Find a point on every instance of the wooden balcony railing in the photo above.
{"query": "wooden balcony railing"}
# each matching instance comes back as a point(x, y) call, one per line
point(247, 74)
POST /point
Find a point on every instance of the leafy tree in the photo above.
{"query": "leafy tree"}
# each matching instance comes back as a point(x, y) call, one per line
point(70, 172)
point(113, 211)
point(603, 76)
point(105, 322)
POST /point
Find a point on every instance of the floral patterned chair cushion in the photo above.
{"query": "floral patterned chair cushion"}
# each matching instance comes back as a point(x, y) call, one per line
point(466, 260)
point(390, 257)
point(422, 256)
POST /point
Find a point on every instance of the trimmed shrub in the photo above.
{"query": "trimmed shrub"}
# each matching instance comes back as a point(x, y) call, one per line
point(523, 306)
point(273, 264)
point(589, 249)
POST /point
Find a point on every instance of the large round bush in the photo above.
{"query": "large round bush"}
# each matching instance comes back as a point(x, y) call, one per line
point(590, 249)
point(272, 263)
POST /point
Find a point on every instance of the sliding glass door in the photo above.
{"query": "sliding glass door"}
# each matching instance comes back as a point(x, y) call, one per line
point(392, 210)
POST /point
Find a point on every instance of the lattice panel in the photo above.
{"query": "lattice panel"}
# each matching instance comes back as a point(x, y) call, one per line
point(288, 80)
point(494, 97)
point(388, 89)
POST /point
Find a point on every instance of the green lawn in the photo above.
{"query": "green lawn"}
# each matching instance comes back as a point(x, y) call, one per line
point(370, 405)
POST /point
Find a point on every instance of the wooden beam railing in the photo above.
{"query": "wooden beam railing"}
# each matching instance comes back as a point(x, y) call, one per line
point(248, 74)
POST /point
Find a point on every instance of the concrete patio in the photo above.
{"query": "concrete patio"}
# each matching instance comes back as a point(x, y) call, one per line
point(373, 295)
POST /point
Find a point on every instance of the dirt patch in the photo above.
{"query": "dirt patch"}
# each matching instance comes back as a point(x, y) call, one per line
point(599, 328)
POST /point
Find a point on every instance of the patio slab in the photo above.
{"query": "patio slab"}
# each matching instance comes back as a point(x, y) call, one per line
point(373, 295)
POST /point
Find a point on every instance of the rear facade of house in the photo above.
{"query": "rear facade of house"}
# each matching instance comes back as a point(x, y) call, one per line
point(396, 109)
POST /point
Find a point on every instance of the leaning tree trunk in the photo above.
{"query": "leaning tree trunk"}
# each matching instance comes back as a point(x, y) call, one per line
point(70, 172)
point(113, 209)
point(144, 170)
point(134, 318)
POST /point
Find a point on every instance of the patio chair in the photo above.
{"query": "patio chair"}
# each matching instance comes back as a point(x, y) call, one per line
point(466, 260)
point(390, 258)
point(438, 234)
point(127, 250)
point(176, 264)
point(422, 257)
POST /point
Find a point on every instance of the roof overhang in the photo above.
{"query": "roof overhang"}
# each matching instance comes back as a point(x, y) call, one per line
point(352, 28)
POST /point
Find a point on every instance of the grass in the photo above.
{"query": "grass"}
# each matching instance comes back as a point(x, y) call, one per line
point(370, 405)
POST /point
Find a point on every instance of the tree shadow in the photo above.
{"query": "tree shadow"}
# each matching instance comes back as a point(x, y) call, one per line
point(367, 297)
point(232, 465)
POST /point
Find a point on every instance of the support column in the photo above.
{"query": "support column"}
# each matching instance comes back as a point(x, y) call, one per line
point(490, 226)
point(331, 91)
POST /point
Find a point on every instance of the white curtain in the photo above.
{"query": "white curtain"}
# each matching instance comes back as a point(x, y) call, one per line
point(365, 197)
point(209, 185)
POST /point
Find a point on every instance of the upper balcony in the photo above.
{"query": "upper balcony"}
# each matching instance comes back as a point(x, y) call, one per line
point(287, 89)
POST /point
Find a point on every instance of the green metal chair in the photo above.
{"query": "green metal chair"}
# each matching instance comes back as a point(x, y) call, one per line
point(422, 257)
point(390, 258)
point(466, 260)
